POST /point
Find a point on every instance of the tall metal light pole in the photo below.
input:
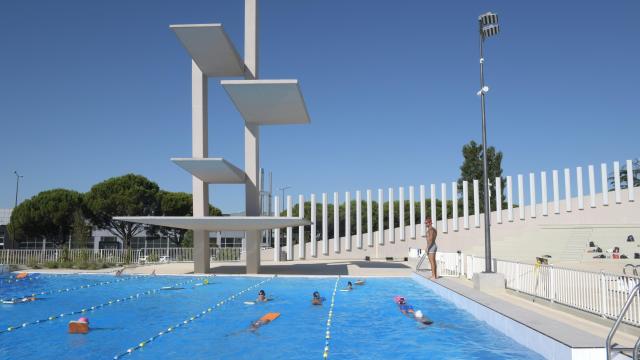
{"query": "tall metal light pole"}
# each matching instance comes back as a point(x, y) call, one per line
point(488, 26)
point(283, 189)
point(18, 176)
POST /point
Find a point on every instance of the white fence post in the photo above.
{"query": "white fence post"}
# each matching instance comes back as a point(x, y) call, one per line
point(423, 211)
point(556, 192)
point(276, 232)
point(592, 186)
point(521, 204)
point(465, 204)
point(313, 235)
point(567, 189)
point(401, 212)
point(412, 213)
point(543, 194)
point(347, 220)
point(616, 181)
point(580, 188)
point(604, 184)
point(336, 223)
point(392, 223)
point(443, 189)
point(380, 217)
point(358, 219)
point(498, 200)
point(301, 242)
point(289, 231)
point(325, 224)
point(369, 219)
point(552, 284)
point(532, 195)
point(476, 203)
point(630, 180)
point(454, 207)
point(603, 292)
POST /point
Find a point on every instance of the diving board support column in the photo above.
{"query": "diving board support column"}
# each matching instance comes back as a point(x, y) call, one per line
point(443, 204)
point(358, 219)
point(401, 213)
point(498, 200)
point(604, 184)
point(543, 190)
point(313, 236)
point(592, 186)
point(510, 198)
point(380, 219)
point(347, 221)
point(423, 211)
point(616, 181)
point(412, 213)
point(289, 230)
point(301, 243)
point(630, 180)
point(200, 143)
point(521, 204)
point(567, 189)
point(532, 195)
point(276, 232)
point(556, 192)
point(476, 203)
point(325, 225)
point(336, 222)
point(369, 219)
point(465, 204)
point(580, 188)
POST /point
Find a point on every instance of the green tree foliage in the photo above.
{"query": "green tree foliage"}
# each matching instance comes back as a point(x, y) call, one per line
point(80, 230)
point(127, 195)
point(48, 214)
point(472, 169)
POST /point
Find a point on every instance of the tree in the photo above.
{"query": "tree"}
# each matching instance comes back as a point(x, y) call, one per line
point(471, 169)
point(80, 230)
point(48, 214)
point(128, 195)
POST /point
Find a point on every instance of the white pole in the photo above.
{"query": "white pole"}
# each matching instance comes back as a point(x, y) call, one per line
point(401, 212)
point(521, 204)
point(509, 198)
point(443, 203)
point(434, 210)
point(543, 189)
point(476, 203)
point(358, 219)
point(567, 189)
point(423, 211)
point(604, 184)
point(369, 218)
point(380, 219)
point(301, 242)
point(336, 223)
point(347, 220)
point(498, 200)
point(412, 213)
point(325, 225)
point(630, 180)
point(580, 188)
point(454, 207)
point(289, 230)
point(532, 195)
point(276, 232)
point(392, 223)
point(314, 240)
point(465, 204)
point(556, 192)
point(616, 181)
point(592, 186)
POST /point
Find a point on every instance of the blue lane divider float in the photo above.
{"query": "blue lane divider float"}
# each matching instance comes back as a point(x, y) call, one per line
point(185, 322)
point(86, 286)
point(327, 338)
point(92, 308)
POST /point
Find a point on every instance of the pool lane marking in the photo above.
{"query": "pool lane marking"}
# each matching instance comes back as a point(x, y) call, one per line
point(328, 333)
point(74, 288)
point(92, 308)
point(184, 323)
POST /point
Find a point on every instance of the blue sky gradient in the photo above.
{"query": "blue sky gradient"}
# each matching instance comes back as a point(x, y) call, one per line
point(92, 90)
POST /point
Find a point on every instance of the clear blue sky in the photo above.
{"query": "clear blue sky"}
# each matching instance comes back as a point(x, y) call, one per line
point(95, 89)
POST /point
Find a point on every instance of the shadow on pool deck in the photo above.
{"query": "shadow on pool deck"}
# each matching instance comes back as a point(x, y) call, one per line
point(337, 268)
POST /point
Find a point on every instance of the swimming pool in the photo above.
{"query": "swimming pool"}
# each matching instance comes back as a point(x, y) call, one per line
point(210, 321)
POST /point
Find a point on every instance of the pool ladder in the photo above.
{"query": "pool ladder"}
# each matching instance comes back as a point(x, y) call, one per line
point(422, 258)
point(611, 349)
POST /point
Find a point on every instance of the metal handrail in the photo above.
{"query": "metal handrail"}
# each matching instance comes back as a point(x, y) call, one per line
point(424, 256)
point(614, 328)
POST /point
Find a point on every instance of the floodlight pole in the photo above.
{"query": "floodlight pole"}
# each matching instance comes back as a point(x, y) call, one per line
point(485, 181)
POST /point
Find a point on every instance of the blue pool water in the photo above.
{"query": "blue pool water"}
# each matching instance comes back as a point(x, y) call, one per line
point(366, 323)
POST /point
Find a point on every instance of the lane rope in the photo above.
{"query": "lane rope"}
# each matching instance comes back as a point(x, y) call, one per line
point(92, 308)
point(56, 291)
point(327, 338)
point(185, 322)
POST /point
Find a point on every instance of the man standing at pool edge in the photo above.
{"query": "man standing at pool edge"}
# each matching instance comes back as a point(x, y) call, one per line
point(432, 247)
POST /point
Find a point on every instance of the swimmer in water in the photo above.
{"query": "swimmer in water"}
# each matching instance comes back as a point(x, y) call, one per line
point(317, 300)
point(419, 317)
point(349, 286)
point(120, 271)
point(405, 308)
point(262, 296)
point(359, 282)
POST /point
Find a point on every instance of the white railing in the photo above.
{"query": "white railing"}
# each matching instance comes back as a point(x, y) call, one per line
point(600, 293)
point(449, 264)
point(116, 256)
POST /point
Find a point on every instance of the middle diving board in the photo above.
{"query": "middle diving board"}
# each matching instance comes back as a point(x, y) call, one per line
point(268, 102)
point(218, 223)
point(212, 170)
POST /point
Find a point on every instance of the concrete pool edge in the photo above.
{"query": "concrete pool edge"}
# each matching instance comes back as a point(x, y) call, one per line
point(523, 332)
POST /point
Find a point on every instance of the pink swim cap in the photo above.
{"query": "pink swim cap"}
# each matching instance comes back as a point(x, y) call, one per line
point(84, 319)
